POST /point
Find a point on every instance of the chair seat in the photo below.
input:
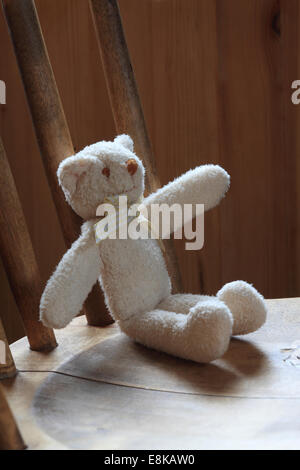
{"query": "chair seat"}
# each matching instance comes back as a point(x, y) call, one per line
point(100, 390)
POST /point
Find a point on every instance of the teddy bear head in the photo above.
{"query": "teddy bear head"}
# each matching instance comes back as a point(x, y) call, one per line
point(100, 171)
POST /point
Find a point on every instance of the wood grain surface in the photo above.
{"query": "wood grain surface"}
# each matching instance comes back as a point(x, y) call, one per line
point(19, 260)
point(50, 124)
point(126, 104)
point(100, 390)
point(214, 78)
point(10, 437)
point(7, 364)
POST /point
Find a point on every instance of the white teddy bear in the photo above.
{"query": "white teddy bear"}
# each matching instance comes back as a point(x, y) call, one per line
point(132, 273)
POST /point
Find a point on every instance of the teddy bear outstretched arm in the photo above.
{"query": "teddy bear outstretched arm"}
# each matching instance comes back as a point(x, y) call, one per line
point(72, 280)
point(205, 184)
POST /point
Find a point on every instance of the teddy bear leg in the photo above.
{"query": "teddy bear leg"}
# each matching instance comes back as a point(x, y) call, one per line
point(246, 304)
point(202, 335)
point(181, 303)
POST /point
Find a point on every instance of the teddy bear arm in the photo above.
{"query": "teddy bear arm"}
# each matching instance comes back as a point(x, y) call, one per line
point(206, 184)
point(71, 282)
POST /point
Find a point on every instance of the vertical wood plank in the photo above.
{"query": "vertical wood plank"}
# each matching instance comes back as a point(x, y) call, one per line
point(12, 321)
point(287, 15)
point(10, 437)
point(49, 121)
point(44, 101)
point(215, 83)
point(19, 260)
point(174, 52)
point(243, 114)
point(257, 63)
point(211, 76)
point(7, 367)
point(26, 165)
point(72, 45)
point(124, 98)
point(125, 101)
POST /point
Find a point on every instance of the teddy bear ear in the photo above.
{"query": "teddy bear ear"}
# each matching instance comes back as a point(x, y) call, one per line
point(125, 140)
point(69, 172)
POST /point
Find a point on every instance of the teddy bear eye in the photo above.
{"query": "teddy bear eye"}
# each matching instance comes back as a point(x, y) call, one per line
point(106, 172)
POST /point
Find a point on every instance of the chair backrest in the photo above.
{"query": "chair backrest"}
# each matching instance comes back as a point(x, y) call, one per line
point(55, 144)
point(49, 121)
point(24, 277)
point(19, 260)
point(125, 101)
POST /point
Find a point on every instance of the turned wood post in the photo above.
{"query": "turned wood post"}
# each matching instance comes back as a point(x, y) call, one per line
point(125, 101)
point(19, 260)
point(49, 122)
point(10, 437)
point(7, 365)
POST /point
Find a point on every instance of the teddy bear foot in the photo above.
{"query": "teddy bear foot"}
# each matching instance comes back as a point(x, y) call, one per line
point(246, 304)
point(209, 326)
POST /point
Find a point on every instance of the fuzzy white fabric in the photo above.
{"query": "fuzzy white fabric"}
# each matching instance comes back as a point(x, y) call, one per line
point(246, 305)
point(206, 184)
point(132, 273)
point(84, 184)
point(72, 281)
point(200, 332)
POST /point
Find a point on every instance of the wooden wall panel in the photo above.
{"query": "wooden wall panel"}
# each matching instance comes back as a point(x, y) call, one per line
point(18, 138)
point(257, 64)
point(71, 43)
point(214, 78)
point(175, 59)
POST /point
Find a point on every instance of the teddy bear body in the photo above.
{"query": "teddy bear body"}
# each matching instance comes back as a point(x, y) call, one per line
point(148, 283)
point(133, 273)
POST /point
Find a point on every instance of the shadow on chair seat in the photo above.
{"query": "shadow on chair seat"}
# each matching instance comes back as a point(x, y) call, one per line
point(118, 394)
point(100, 390)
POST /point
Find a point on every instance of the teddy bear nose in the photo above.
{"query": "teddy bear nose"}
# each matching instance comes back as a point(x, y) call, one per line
point(132, 166)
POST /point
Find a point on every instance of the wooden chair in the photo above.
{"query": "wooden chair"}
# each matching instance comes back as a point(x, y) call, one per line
point(98, 389)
